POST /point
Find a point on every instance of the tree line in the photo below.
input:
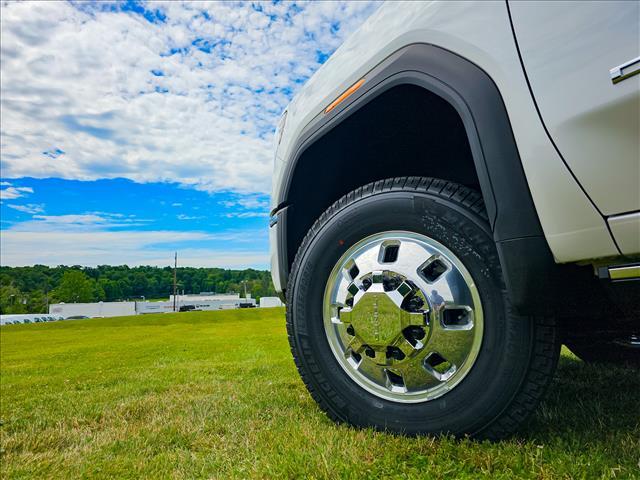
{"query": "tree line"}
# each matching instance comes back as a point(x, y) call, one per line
point(32, 289)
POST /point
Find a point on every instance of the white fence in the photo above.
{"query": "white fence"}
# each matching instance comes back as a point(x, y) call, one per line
point(17, 318)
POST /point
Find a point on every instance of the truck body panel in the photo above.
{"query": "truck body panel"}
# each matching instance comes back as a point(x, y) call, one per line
point(481, 33)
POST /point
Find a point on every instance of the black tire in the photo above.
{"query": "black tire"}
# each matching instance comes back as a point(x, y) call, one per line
point(596, 350)
point(518, 354)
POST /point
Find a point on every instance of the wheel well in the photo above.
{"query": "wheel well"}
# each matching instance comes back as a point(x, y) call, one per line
point(407, 130)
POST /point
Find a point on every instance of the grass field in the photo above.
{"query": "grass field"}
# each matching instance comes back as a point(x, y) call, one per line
point(216, 395)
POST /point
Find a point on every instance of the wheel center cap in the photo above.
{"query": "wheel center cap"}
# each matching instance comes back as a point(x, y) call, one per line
point(376, 319)
point(376, 316)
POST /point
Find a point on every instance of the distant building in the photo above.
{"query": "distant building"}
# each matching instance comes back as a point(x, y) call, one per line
point(184, 303)
point(95, 309)
point(203, 301)
point(207, 296)
point(266, 302)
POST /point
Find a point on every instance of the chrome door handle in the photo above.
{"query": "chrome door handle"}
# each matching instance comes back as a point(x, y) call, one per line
point(626, 70)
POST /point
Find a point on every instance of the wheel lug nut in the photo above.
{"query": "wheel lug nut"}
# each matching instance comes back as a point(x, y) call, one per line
point(395, 353)
point(413, 304)
point(350, 330)
point(366, 283)
point(417, 333)
point(413, 334)
point(391, 283)
point(369, 352)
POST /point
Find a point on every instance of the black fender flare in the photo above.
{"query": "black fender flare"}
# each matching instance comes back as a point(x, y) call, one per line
point(524, 253)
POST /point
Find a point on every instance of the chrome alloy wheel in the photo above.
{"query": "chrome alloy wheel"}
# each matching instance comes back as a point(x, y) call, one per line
point(403, 316)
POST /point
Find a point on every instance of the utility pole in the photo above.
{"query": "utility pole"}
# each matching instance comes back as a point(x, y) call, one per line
point(175, 280)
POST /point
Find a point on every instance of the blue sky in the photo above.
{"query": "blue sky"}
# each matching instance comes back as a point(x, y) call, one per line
point(129, 130)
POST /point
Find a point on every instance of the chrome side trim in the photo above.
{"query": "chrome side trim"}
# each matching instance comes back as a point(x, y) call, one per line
point(624, 273)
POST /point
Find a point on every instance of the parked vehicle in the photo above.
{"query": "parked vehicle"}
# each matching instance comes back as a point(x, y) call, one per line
point(455, 194)
point(77, 317)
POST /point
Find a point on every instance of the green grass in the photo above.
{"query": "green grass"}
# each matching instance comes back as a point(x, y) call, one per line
point(216, 395)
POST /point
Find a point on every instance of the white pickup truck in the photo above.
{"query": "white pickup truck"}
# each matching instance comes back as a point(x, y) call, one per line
point(456, 193)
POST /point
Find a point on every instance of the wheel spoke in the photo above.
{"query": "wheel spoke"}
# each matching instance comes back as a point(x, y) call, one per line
point(380, 357)
point(355, 345)
point(410, 255)
point(407, 348)
point(335, 314)
point(415, 318)
point(416, 376)
point(439, 367)
point(345, 315)
point(373, 371)
point(367, 261)
point(453, 344)
point(401, 292)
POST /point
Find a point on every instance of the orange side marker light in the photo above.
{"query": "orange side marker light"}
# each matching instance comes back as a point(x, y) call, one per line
point(346, 94)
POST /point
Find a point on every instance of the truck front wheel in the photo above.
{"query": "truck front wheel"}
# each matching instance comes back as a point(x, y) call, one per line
point(398, 317)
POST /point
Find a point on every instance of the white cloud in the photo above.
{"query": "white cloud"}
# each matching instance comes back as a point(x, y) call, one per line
point(75, 223)
point(246, 206)
point(91, 239)
point(97, 94)
point(92, 248)
point(83, 220)
point(246, 214)
point(176, 204)
point(247, 201)
point(14, 192)
point(108, 214)
point(182, 216)
point(31, 208)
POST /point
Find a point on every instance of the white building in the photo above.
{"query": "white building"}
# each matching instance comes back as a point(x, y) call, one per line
point(197, 302)
point(266, 302)
point(91, 310)
point(207, 296)
point(121, 309)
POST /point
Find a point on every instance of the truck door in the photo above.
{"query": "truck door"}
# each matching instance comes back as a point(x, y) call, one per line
point(580, 59)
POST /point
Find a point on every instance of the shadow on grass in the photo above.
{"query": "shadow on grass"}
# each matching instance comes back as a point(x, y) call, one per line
point(588, 403)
